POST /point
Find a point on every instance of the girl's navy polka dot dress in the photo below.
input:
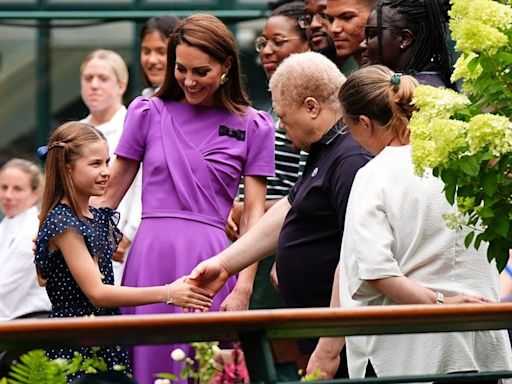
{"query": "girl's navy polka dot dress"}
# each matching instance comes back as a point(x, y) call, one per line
point(101, 238)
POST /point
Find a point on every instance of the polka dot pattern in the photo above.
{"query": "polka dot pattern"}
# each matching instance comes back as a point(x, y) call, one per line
point(101, 237)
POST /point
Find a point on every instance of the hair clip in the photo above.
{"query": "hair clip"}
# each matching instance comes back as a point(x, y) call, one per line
point(41, 153)
point(395, 80)
point(56, 144)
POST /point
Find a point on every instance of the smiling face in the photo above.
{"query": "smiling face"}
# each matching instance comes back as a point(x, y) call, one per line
point(16, 193)
point(153, 57)
point(347, 28)
point(317, 31)
point(198, 74)
point(100, 89)
point(90, 172)
point(284, 40)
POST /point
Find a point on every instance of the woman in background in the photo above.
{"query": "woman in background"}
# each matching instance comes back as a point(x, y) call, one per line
point(20, 189)
point(154, 36)
point(409, 36)
point(21, 184)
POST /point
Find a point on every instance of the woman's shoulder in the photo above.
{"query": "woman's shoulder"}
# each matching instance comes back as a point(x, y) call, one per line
point(258, 119)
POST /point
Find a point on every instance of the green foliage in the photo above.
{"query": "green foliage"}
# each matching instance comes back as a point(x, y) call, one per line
point(467, 142)
point(34, 367)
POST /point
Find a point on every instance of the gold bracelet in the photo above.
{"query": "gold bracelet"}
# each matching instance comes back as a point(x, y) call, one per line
point(169, 300)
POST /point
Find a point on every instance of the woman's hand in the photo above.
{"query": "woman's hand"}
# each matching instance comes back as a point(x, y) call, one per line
point(183, 294)
point(121, 249)
point(233, 223)
point(463, 299)
point(237, 300)
point(326, 357)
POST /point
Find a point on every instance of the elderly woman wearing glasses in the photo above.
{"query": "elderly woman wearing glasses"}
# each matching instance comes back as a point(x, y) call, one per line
point(281, 37)
point(409, 36)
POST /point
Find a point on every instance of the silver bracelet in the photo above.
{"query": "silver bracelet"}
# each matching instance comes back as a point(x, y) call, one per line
point(169, 300)
point(439, 298)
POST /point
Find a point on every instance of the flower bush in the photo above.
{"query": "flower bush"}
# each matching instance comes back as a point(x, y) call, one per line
point(208, 365)
point(467, 139)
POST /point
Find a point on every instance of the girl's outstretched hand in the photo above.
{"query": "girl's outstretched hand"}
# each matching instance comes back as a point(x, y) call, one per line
point(186, 295)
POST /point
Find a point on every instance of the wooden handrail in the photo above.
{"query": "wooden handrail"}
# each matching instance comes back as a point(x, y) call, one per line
point(278, 323)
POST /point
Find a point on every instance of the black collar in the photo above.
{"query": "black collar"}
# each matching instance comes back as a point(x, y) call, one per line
point(338, 129)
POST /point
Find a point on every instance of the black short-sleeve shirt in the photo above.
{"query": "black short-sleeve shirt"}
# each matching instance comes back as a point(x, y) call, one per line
point(309, 243)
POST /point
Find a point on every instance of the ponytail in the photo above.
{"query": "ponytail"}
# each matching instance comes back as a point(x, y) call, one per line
point(400, 98)
point(381, 95)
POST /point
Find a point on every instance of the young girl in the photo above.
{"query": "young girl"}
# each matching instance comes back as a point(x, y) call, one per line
point(76, 242)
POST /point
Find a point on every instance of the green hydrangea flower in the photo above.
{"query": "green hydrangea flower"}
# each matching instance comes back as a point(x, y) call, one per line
point(490, 130)
point(488, 12)
point(438, 102)
point(462, 70)
point(477, 25)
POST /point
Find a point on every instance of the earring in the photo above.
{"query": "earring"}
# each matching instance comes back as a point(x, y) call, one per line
point(223, 79)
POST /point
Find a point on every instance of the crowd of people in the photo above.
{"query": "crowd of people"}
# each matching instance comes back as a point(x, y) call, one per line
point(192, 198)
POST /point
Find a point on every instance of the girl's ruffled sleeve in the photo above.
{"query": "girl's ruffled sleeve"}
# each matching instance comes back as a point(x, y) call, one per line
point(109, 219)
point(136, 125)
point(60, 219)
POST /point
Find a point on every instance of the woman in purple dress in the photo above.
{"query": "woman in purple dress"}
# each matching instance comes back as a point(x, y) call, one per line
point(195, 139)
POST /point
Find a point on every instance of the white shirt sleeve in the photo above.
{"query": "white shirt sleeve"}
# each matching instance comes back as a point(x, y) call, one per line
point(367, 248)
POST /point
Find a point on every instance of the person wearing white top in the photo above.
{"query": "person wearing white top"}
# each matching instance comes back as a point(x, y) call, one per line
point(20, 293)
point(104, 77)
point(397, 249)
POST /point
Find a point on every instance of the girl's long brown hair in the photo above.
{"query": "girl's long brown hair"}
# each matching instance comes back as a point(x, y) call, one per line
point(64, 148)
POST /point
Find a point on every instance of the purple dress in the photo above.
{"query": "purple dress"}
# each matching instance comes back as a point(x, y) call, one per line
point(193, 157)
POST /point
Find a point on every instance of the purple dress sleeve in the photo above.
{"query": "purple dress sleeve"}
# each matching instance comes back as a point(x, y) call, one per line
point(260, 159)
point(136, 124)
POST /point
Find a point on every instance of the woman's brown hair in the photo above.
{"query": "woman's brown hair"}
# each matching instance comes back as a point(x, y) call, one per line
point(208, 34)
point(66, 145)
point(381, 95)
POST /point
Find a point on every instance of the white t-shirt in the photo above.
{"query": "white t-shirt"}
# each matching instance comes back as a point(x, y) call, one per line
point(130, 207)
point(394, 227)
point(20, 293)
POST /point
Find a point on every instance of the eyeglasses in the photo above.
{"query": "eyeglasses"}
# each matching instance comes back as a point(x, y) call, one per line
point(261, 42)
point(371, 31)
point(306, 20)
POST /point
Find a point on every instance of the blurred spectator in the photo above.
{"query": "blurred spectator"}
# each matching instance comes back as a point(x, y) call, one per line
point(154, 36)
